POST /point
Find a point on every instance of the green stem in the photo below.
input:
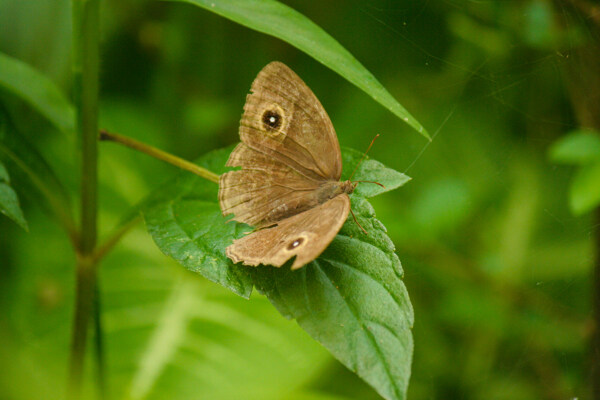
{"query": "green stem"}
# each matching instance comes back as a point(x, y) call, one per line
point(99, 344)
point(86, 20)
point(161, 155)
point(84, 305)
point(86, 80)
point(114, 238)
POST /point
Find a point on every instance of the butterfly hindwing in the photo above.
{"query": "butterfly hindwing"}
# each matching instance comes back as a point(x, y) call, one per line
point(304, 235)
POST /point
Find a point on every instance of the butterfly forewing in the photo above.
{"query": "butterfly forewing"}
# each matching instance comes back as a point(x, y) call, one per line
point(289, 148)
point(285, 120)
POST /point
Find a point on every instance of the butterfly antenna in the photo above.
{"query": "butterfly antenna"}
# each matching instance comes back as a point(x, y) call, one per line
point(377, 183)
point(364, 155)
point(359, 225)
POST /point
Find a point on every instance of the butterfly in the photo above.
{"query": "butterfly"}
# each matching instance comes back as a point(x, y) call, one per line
point(289, 185)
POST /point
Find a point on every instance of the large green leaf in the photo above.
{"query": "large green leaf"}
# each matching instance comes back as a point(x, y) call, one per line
point(351, 299)
point(9, 202)
point(277, 19)
point(37, 90)
point(33, 174)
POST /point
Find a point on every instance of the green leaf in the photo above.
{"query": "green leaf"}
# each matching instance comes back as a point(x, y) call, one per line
point(578, 147)
point(372, 171)
point(584, 194)
point(277, 19)
point(33, 174)
point(9, 202)
point(38, 91)
point(351, 299)
point(185, 221)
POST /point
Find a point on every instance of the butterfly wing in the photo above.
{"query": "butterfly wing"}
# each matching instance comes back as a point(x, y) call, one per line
point(284, 120)
point(303, 235)
point(289, 148)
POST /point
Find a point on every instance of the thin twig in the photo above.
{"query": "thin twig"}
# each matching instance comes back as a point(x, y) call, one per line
point(113, 239)
point(159, 154)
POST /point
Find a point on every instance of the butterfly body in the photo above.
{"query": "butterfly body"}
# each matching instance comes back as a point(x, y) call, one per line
point(289, 185)
point(313, 198)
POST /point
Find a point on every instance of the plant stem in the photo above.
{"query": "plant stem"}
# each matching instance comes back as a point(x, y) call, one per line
point(99, 344)
point(86, 19)
point(103, 248)
point(161, 155)
point(86, 84)
point(84, 305)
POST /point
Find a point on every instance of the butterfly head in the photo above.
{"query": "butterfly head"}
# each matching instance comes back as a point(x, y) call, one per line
point(348, 186)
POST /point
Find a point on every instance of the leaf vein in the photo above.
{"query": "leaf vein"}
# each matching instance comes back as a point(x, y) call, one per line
point(379, 283)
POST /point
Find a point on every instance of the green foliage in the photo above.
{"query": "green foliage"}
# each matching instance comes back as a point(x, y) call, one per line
point(351, 299)
point(247, 342)
point(33, 173)
point(188, 226)
point(371, 171)
point(497, 267)
point(168, 333)
point(576, 148)
point(584, 194)
point(581, 148)
point(38, 91)
point(277, 19)
point(9, 202)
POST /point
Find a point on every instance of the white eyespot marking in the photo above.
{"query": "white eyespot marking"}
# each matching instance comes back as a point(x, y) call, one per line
point(295, 243)
point(272, 120)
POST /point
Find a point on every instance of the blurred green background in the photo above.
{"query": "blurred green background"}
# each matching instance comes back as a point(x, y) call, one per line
point(497, 267)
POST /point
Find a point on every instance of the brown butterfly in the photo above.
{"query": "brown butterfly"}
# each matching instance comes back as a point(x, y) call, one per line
point(288, 186)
